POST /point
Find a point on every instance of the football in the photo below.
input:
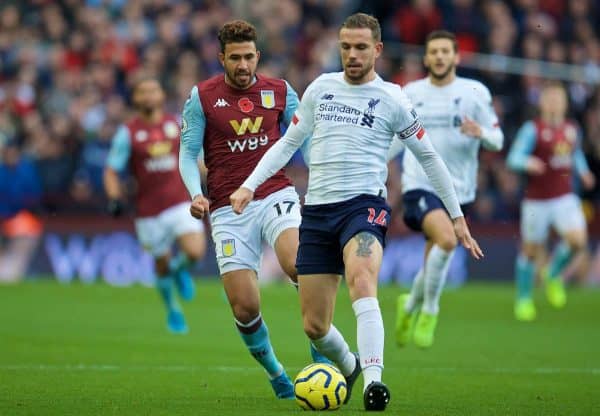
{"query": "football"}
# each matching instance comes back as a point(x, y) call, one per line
point(320, 387)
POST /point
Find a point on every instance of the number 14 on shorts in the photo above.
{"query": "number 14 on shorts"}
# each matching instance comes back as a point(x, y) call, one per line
point(379, 219)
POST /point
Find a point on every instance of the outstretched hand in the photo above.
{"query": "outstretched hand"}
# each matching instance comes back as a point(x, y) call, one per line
point(240, 199)
point(461, 229)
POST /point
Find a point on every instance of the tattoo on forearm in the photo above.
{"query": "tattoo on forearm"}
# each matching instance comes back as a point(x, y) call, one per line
point(365, 240)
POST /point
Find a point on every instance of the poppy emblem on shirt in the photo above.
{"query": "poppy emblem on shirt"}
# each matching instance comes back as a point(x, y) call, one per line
point(267, 98)
point(245, 105)
point(295, 119)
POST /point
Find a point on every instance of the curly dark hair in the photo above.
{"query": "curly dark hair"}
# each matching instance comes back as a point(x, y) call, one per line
point(236, 31)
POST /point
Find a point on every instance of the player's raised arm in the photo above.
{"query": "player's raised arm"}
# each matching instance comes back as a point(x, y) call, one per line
point(192, 138)
point(118, 158)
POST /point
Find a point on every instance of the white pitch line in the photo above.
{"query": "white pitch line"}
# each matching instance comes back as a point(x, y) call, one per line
point(241, 369)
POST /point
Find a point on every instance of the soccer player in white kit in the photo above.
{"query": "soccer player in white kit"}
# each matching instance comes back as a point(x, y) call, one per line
point(352, 117)
point(458, 115)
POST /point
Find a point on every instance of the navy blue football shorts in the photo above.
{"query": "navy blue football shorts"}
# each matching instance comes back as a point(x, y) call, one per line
point(326, 228)
point(418, 203)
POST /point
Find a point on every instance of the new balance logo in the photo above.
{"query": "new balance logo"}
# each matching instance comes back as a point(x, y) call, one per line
point(221, 103)
point(327, 97)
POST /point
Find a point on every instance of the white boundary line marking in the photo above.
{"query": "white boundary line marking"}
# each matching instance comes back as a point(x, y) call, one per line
point(230, 369)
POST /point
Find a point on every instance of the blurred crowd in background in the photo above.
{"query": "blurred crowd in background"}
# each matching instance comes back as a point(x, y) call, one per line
point(66, 67)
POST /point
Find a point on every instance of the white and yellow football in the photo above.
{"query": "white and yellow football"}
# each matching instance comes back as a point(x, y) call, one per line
point(320, 387)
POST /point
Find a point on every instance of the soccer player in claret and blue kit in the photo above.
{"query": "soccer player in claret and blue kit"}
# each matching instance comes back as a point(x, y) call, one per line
point(351, 118)
point(233, 119)
point(547, 150)
point(148, 146)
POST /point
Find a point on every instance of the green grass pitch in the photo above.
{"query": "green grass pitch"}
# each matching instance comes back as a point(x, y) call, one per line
point(83, 350)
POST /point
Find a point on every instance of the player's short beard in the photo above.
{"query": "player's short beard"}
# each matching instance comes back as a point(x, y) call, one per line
point(232, 80)
point(361, 74)
point(443, 74)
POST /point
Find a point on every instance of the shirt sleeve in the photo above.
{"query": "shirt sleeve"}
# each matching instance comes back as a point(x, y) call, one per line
point(411, 132)
point(522, 147)
point(192, 140)
point(492, 137)
point(301, 127)
point(291, 105)
point(120, 149)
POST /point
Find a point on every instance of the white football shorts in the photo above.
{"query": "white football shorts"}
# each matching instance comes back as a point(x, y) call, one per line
point(238, 238)
point(157, 234)
point(564, 213)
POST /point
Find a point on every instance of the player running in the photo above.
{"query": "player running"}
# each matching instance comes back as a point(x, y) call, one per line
point(546, 150)
point(352, 117)
point(234, 118)
point(148, 146)
point(458, 115)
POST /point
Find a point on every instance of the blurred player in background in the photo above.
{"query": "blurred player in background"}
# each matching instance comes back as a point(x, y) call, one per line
point(548, 151)
point(458, 115)
point(148, 146)
point(352, 117)
point(234, 118)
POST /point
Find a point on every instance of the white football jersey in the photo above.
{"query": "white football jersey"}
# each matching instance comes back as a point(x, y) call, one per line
point(352, 128)
point(442, 111)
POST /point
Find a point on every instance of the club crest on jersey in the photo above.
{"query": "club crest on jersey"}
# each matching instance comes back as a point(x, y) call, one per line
point(369, 113)
point(267, 98)
point(228, 247)
point(245, 104)
point(171, 130)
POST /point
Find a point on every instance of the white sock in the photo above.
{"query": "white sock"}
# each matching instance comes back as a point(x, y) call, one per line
point(369, 337)
point(436, 270)
point(334, 346)
point(416, 292)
